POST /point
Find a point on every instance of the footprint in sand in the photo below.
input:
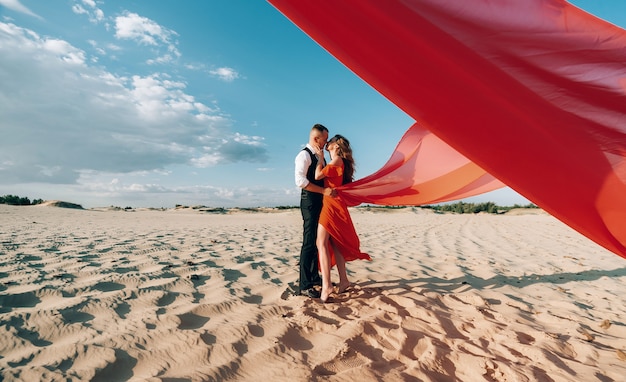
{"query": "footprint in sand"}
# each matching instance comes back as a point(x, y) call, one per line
point(347, 359)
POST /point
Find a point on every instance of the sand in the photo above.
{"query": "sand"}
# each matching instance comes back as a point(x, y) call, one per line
point(207, 295)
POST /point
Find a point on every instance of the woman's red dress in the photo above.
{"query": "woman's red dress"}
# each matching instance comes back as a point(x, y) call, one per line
point(336, 219)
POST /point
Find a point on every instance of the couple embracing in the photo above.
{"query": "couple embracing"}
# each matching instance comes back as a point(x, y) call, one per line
point(329, 237)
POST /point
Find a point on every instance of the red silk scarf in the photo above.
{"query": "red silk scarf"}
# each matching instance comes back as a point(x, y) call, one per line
point(531, 91)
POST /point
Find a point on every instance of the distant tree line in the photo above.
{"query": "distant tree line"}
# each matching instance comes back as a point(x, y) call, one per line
point(473, 208)
point(18, 201)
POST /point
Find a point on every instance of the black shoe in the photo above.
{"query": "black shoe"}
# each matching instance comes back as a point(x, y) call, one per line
point(313, 293)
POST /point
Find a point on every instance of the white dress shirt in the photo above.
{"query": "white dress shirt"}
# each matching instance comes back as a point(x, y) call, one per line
point(303, 161)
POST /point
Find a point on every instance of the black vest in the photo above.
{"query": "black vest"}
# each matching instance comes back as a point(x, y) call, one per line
point(310, 174)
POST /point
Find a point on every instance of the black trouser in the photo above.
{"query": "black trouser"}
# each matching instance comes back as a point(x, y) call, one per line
point(310, 207)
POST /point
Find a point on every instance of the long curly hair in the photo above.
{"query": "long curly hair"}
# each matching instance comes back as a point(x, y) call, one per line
point(345, 153)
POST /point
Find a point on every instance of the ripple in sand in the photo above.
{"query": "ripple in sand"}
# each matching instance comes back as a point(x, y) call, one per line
point(18, 300)
point(191, 321)
point(107, 286)
point(294, 340)
point(120, 369)
point(19, 329)
point(167, 299)
point(161, 282)
point(71, 316)
point(347, 359)
point(256, 330)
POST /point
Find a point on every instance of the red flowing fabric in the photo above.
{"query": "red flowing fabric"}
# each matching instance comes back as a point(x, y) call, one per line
point(532, 91)
point(423, 169)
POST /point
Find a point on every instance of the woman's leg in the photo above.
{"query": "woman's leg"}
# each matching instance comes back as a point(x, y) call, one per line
point(344, 283)
point(324, 259)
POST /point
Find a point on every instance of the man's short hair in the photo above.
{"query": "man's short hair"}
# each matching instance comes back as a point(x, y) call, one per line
point(319, 127)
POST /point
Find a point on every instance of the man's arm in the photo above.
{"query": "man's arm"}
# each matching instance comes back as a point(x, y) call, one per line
point(303, 161)
point(320, 190)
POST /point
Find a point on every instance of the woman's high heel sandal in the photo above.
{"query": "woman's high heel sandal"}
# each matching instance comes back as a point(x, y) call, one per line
point(325, 298)
point(343, 288)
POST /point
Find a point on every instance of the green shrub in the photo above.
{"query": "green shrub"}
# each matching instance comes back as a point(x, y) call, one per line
point(474, 208)
point(14, 200)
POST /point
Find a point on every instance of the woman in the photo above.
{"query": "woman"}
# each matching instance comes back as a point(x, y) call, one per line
point(337, 241)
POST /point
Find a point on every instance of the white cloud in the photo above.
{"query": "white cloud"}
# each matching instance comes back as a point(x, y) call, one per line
point(150, 189)
point(64, 51)
point(61, 117)
point(113, 47)
point(231, 149)
point(248, 140)
point(90, 3)
point(95, 14)
point(207, 160)
point(225, 74)
point(79, 10)
point(131, 26)
point(16, 6)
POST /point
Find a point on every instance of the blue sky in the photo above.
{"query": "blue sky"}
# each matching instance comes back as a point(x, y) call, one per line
point(153, 104)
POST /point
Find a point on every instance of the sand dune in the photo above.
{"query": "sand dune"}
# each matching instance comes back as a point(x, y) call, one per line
point(192, 295)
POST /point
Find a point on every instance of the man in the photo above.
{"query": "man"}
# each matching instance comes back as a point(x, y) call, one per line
point(311, 198)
